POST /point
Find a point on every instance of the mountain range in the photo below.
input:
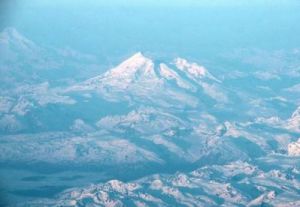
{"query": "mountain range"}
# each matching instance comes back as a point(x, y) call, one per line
point(146, 132)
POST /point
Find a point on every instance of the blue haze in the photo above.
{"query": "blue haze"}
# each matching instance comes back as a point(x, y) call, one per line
point(132, 103)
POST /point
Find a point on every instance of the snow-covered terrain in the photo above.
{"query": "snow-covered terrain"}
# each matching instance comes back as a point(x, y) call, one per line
point(147, 132)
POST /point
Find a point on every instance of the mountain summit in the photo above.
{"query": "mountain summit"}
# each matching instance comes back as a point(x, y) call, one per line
point(137, 67)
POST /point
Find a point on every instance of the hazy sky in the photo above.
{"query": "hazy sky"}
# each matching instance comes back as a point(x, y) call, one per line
point(185, 27)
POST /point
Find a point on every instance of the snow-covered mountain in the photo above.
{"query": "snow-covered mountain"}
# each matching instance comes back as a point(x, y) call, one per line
point(23, 61)
point(138, 79)
point(13, 43)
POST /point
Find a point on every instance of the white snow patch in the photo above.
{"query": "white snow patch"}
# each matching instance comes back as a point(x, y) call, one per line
point(294, 148)
point(80, 126)
point(22, 107)
point(193, 69)
point(170, 74)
